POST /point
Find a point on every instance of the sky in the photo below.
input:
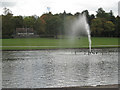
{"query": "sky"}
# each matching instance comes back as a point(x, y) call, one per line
point(38, 7)
point(119, 8)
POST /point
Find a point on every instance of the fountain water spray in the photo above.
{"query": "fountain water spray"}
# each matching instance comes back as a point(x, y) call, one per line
point(80, 26)
point(89, 36)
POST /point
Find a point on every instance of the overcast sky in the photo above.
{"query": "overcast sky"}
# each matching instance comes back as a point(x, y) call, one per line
point(38, 7)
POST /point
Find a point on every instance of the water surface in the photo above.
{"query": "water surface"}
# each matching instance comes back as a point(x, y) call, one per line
point(58, 68)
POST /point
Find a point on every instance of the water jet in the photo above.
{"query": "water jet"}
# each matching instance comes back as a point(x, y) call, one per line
point(80, 27)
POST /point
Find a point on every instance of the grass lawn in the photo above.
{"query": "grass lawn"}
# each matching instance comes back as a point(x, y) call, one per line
point(47, 43)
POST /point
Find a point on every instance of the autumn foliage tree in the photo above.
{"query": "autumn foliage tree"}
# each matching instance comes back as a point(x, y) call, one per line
point(103, 24)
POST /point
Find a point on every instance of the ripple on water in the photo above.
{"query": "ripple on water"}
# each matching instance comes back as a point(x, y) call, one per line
point(41, 69)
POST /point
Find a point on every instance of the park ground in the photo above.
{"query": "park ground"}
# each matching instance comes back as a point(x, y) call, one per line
point(51, 43)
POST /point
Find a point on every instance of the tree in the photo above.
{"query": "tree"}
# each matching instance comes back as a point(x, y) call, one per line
point(18, 20)
point(108, 16)
point(44, 22)
point(39, 26)
point(77, 14)
point(97, 26)
point(29, 21)
point(102, 27)
point(7, 24)
point(91, 18)
point(111, 17)
point(54, 25)
point(103, 24)
point(101, 13)
point(7, 11)
point(109, 27)
point(117, 27)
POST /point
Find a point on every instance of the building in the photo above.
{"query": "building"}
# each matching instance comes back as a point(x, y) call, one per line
point(24, 32)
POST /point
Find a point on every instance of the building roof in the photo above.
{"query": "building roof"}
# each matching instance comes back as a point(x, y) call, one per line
point(24, 30)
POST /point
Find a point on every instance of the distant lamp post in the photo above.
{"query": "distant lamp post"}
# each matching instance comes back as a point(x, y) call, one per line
point(48, 8)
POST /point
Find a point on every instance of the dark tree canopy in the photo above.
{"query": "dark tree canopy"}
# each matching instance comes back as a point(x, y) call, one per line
point(103, 24)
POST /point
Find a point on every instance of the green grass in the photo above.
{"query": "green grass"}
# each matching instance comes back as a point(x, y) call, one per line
point(46, 43)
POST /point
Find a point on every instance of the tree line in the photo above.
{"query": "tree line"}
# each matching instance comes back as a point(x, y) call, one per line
point(103, 24)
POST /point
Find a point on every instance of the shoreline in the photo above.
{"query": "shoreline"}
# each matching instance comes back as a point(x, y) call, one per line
point(58, 49)
point(99, 86)
point(105, 87)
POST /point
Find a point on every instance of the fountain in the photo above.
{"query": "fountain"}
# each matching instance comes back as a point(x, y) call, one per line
point(89, 36)
point(81, 27)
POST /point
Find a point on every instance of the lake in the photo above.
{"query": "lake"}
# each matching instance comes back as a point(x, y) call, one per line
point(59, 68)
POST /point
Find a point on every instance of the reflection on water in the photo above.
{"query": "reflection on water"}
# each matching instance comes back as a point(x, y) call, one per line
point(53, 68)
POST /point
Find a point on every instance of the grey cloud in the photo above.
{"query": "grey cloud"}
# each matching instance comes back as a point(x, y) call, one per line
point(7, 4)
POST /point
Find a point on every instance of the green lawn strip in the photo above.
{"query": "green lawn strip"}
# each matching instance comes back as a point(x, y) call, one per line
point(56, 43)
point(105, 41)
